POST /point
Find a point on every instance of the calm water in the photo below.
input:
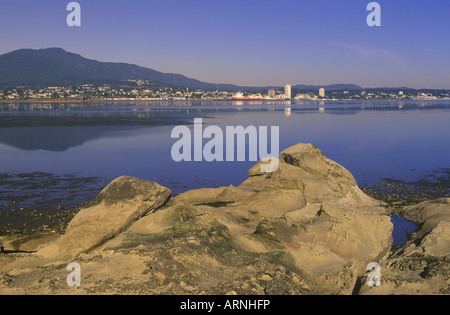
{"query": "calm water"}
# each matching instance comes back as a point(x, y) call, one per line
point(110, 140)
point(371, 139)
point(402, 228)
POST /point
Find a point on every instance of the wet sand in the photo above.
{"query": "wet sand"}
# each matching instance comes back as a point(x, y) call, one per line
point(400, 192)
point(42, 202)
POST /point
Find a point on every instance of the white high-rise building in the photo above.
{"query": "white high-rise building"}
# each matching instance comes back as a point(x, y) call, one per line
point(288, 91)
point(322, 92)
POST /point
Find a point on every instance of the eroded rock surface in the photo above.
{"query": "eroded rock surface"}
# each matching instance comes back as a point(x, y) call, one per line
point(117, 207)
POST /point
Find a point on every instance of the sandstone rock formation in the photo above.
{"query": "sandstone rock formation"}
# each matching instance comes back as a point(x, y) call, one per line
point(305, 229)
point(117, 207)
point(422, 265)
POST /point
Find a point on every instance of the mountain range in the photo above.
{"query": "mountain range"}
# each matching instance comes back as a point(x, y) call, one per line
point(57, 67)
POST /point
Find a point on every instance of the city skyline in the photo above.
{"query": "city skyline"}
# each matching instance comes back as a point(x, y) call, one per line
point(250, 43)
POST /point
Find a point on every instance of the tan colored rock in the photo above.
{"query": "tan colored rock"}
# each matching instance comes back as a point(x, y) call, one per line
point(229, 194)
point(312, 159)
point(305, 168)
point(118, 206)
point(28, 243)
point(433, 217)
point(269, 203)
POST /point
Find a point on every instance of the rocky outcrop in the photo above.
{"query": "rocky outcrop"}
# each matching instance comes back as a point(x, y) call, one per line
point(118, 206)
point(422, 265)
point(433, 217)
point(305, 229)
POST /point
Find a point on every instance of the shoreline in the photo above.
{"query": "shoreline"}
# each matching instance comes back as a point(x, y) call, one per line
point(48, 101)
point(214, 100)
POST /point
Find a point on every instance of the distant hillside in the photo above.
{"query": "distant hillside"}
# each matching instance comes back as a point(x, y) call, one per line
point(57, 67)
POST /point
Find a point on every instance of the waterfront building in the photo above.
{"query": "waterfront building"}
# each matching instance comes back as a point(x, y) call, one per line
point(322, 92)
point(288, 91)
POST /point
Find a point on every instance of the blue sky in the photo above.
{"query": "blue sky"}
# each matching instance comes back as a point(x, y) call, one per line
point(248, 42)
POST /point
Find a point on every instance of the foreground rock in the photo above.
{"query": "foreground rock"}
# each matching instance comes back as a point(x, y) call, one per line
point(118, 206)
point(304, 229)
point(422, 265)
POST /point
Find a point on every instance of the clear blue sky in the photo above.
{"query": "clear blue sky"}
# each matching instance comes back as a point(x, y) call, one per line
point(248, 42)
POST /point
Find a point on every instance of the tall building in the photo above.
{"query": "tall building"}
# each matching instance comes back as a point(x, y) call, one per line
point(288, 91)
point(272, 93)
point(322, 92)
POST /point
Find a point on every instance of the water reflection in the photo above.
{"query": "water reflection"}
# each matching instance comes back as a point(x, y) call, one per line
point(288, 112)
point(57, 139)
point(145, 106)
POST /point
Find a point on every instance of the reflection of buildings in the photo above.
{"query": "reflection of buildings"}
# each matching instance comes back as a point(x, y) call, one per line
point(288, 91)
point(287, 112)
